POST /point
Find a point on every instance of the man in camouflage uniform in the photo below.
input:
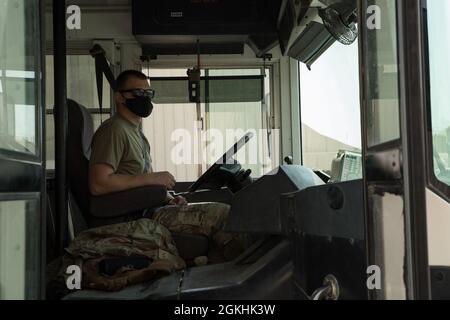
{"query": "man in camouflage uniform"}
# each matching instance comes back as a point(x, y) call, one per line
point(120, 160)
point(208, 219)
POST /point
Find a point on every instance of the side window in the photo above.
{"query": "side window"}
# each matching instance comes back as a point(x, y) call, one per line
point(439, 95)
point(81, 87)
point(330, 112)
point(18, 79)
point(20, 106)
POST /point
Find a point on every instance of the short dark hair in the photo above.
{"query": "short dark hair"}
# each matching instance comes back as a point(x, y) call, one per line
point(123, 78)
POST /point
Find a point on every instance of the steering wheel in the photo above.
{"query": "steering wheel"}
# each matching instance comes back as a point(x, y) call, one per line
point(222, 167)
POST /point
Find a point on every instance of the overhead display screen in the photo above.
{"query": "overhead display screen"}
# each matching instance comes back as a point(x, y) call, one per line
point(203, 16)
point(209, 11)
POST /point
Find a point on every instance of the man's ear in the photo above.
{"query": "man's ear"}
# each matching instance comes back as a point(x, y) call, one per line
point(118, 97)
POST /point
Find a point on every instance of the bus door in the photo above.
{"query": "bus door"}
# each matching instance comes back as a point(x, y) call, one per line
point(393, 120)
point(435, 25)
point(22, 192)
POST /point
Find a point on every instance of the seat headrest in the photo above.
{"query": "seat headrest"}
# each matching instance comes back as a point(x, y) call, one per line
point(81, 126)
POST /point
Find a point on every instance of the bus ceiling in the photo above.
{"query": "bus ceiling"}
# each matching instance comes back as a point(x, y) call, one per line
point(301, 29)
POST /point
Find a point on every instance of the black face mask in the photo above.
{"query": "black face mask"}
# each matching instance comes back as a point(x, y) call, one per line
point(140, 106)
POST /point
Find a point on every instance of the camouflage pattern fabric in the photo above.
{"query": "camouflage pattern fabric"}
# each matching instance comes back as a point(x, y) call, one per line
point(209, 219)
point(144, 238)
point(148, 238)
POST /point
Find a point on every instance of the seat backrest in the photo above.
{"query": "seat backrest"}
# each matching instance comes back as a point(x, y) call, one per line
point(80, 133)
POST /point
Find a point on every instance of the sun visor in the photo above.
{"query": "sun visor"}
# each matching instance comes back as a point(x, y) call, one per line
point(218, 89)
point(311, 43)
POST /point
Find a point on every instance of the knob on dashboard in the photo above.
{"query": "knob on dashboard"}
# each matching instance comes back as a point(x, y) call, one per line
point(289, 160)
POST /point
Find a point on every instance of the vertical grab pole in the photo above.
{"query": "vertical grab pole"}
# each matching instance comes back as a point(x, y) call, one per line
point(61, 122)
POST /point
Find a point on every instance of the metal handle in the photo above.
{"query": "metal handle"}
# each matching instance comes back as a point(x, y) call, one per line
point(329, 291)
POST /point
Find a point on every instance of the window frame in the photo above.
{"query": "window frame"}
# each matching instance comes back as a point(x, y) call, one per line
point(24, 174)
point(36, 157)
point(405, 179)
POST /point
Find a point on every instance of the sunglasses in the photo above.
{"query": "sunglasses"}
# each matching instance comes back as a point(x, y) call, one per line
point(149, 93)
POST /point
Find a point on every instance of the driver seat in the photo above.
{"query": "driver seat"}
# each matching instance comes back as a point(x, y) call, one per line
point(117, 207)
